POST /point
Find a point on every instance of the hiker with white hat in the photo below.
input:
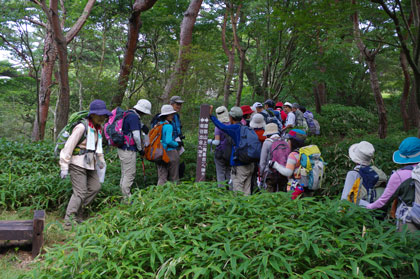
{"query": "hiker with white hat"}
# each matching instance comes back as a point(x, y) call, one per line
point(258, 124)
point(134, 141)
point(223, 148)
point(168, 171)
point(272, 180)
point(407, 155)
point(291, 118)
point(365, 183)
point(176, 102)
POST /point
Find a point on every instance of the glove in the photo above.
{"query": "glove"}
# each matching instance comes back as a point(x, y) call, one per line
point(101, 164)
point(271, 164)
point(141, 152)
point(64, 173)
point(216, 142)
point(180, 143)
point(145, 129)
point(209, 141)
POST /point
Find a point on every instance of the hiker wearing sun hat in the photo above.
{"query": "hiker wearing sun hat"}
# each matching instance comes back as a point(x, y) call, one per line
point(246, 117)
point(135, 139)
point(81, 156)
point(365, 183)
point(168, 171)
point(399, 186)
point(291, 118)
point(258, 124)
point(272, 180)
point(223, 148)
point(241, 172)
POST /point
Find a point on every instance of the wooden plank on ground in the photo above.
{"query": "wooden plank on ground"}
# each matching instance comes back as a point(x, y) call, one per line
point(38, 229)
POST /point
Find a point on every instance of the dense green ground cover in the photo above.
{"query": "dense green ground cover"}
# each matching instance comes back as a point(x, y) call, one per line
point(199, 231)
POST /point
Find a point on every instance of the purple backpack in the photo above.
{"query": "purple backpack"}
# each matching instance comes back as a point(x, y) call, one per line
point(113, 129)
point(279, 151)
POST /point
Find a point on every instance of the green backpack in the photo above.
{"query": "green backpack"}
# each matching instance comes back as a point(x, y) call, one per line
point(63, 136)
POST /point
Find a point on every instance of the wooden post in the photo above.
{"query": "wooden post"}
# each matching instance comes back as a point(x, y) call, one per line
point(38, 229)
point(203, 135)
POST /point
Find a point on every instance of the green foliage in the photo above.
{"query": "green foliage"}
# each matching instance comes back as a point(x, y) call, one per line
point(200, 231)
point(338, 121)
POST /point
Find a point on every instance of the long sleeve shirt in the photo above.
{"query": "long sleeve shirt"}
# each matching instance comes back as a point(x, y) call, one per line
point(265, 153)
point(167, 138)
point(394, 182)
point(234, 131)
point(66, 154)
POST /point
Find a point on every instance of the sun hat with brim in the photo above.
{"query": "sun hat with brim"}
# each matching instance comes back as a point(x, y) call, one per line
point(222, 114)
point(98, 107)
point(271, 129)
point(176, 99)
point(166, 110)
point(362, 153)
point(296, 134)
point(246, 109)
point(408, 152)
point(236, 112)
point(257, 121)
point(144, 106)
point(288, 104)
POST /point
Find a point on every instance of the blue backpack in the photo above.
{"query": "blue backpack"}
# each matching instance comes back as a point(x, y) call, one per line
point(249, 149)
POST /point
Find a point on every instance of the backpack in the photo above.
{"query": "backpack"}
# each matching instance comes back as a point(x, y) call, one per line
point(311, 170)
point(113, 129)
point(279, 151)
point(249, 149)
point(272, 118)
point(313, 124)
point(411, 213)
point(63, 136)
point(224, 150)
point(155, 152)
point(369, 186)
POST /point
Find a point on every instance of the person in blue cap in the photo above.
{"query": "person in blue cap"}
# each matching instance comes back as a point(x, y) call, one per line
point(81, 156)
point(408, 155)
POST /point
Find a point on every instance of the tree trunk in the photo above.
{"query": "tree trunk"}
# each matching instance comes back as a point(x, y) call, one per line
point(413, 109)
point(406, 91)
point(374, 82)
point(316, 96)
point(48, 61)
point(175, 83)
point(134, 25)
point(241, 52)
point(231, 64)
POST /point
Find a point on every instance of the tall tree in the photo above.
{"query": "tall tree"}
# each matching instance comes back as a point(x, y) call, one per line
point(134, 25)
point(369, 56)
point(176, 81)
point(230, 53)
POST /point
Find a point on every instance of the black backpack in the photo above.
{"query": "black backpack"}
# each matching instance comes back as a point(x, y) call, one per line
point(154, 121)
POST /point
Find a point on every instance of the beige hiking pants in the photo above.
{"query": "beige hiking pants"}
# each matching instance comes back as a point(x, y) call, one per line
point(85, 187)
point(128, 170)
point(170, 171)
point(241, 178)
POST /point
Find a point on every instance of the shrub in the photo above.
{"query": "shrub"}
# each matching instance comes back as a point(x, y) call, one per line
point(338, 121)
point(200, 231)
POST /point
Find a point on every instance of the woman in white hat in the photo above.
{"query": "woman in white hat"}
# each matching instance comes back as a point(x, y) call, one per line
point(258, 125)
point(169, 171)
point(223, 148)
point(361, 185)
point(273, 180)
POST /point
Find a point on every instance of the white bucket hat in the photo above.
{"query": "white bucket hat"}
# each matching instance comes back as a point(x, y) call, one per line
point(166, 110)
point(144, 106)
point(362, 153)
point(222, 114)
point(257, 121)
point(271, 129)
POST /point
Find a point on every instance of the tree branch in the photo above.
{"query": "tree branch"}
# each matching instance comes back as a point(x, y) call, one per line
point(80, 21)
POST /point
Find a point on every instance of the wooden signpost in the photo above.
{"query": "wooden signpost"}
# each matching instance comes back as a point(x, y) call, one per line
point(203, 135)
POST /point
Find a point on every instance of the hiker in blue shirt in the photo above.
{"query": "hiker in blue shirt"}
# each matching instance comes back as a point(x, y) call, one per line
point(176, 103)
point(241, 174)
point(132, 129)
point(168, 171)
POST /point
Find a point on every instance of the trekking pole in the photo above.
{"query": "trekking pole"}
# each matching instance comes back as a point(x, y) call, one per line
point(144, 171)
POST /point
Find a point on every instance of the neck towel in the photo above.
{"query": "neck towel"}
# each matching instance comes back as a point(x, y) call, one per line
point(92, 150)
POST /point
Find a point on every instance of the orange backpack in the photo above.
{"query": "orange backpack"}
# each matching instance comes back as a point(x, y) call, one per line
point(155, 152)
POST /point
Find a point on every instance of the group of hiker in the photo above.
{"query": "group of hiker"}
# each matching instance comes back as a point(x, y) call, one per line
point(369, 187)
point(255, 147)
